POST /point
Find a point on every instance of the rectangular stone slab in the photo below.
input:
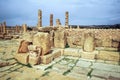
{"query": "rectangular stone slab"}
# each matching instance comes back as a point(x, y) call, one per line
point(22, 57)
point(109, 56)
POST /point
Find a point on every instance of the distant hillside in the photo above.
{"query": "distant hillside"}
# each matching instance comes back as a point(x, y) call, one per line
point(115, 26)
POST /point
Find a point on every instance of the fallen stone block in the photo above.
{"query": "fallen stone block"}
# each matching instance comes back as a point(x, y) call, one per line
point(56, 53)
point(89, 55)
point(42, 39)
point(46, 58)
point(108, 56)
point(22, 58)
point(71, 52)
point(34, 60)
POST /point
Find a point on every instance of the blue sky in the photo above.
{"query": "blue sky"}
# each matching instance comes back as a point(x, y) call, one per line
point(81, 12)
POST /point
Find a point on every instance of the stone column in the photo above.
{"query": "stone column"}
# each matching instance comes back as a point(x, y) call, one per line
point(16, 29)
point(4, 27)
point(66, 19)
point(24, 26)
point(39, 18)
point(58, 22)
point(51, 19)
point(0, 28)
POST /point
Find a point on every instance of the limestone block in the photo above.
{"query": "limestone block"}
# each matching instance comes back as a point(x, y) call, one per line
point(34, 60)
point(107, 42)
point(32, 47)
point(89, 45)
point(43, 40)
point(56, 53)
point(60, 39)
point(52, 41)
point(23, 48)
point(115, 44)
point(22, 58)
point(109, 56)
point(89, 55)
point(46, 58)
point(73, 41)
point(34, 57)
point(28, 36)
point(59, 43)
point(98, 43)
point(71, 52)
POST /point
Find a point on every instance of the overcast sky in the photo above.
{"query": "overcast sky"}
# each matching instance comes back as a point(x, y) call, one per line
point(81, 12)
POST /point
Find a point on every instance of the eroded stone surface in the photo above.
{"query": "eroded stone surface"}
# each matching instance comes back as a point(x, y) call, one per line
point(106, 67)
point(83, 64)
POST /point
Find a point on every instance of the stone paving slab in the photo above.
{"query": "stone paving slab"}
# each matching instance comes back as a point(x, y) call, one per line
point(106, 67)
point(104, 74)
point(2, 69)
point(113, 78)
point(67, 60)
point(96, 78)
point(60, 68)
point(82, 63)
point(43, 66)
point(56, 76)
point(81, 70)
point(78, 76)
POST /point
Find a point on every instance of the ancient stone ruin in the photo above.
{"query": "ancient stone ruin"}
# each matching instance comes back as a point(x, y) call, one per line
point(80, 53)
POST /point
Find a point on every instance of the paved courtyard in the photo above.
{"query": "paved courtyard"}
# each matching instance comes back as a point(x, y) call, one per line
point(62, 68)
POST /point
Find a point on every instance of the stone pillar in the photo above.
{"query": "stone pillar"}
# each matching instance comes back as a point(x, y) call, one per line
point(16, 29)
point(4, 27)
point(66, 19)
point(39, 18)
point(60, 39)
point(89, 45)
point(0, 28)
point(52, 38)
point(58, 22)
point(51, 19)
point(24, 26)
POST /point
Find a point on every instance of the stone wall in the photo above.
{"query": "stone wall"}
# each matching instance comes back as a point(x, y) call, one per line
point(106, 37)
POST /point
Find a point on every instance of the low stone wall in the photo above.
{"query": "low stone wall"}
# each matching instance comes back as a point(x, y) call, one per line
point(103, 37)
